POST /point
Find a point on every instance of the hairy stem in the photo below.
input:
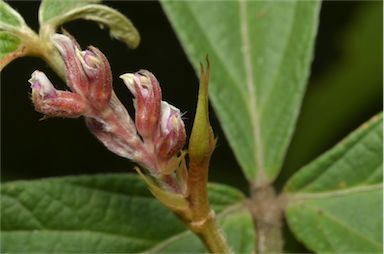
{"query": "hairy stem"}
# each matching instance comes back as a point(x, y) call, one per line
point(40, 46)
point(211, 235)
point(266, 209)
point(203, 218)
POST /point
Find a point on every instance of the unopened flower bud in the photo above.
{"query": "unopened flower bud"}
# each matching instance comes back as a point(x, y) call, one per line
point(88, 72)
point(145, 87)
point(42, 86)
point(52, 102)
point(172, 132)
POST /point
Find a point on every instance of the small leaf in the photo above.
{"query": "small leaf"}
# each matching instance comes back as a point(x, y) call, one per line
point(10, 48)
point(120, 27)
point(9, 18)
point(106, 214)
point(260, 53)
point(335, 203)
point(51, 9)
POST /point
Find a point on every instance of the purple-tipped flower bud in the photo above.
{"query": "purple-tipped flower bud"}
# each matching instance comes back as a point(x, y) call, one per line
point(52, 102)
point(41, 86)
point(172, 132)
point(145, 87)
point(88, 72)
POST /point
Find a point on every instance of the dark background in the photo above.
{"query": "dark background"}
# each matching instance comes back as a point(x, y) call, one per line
point(345, 89)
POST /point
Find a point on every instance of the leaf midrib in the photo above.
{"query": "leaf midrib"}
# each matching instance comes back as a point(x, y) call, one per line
point(252, 102)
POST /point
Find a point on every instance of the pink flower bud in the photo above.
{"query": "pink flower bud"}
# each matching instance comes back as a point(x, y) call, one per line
point(88, 72)
point(172, 132)
point(145, 87)
point(52, 102)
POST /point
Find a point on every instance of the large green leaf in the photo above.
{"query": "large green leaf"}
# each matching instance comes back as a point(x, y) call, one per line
point(335, 203)
point(260, 53)
point(53, 13)
point(107, 213)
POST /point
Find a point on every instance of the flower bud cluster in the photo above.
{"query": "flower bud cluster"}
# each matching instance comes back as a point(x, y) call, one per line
point(154, 139)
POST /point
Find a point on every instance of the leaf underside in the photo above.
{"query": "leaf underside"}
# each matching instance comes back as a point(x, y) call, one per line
point(336, 201)
point(9, 18)
point(51, 9)
point(10, 45)
point(106, 214)
point(260, 52)
point(55, 13)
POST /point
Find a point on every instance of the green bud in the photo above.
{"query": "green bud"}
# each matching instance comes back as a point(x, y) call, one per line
point(201, 142)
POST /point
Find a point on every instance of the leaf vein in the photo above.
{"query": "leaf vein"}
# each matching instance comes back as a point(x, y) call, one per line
point(26, 208)
point(347, 227)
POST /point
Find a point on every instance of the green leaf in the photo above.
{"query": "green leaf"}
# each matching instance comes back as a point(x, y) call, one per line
point(10, 48)
point(8, 44)
point(52, 14)
point(335, 203)
point(260, 52)
point(105, 214)
point(51, 9)
point(12, 30)
point(9, 18)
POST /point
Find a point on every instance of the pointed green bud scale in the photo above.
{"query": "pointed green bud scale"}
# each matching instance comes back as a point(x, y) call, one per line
point(201, 143)
point(175, 202)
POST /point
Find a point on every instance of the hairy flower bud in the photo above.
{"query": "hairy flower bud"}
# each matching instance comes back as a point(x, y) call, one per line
point(154, 139)
point(88, 72)
point(172, 132)
point(145, 87)
point(52, 102)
